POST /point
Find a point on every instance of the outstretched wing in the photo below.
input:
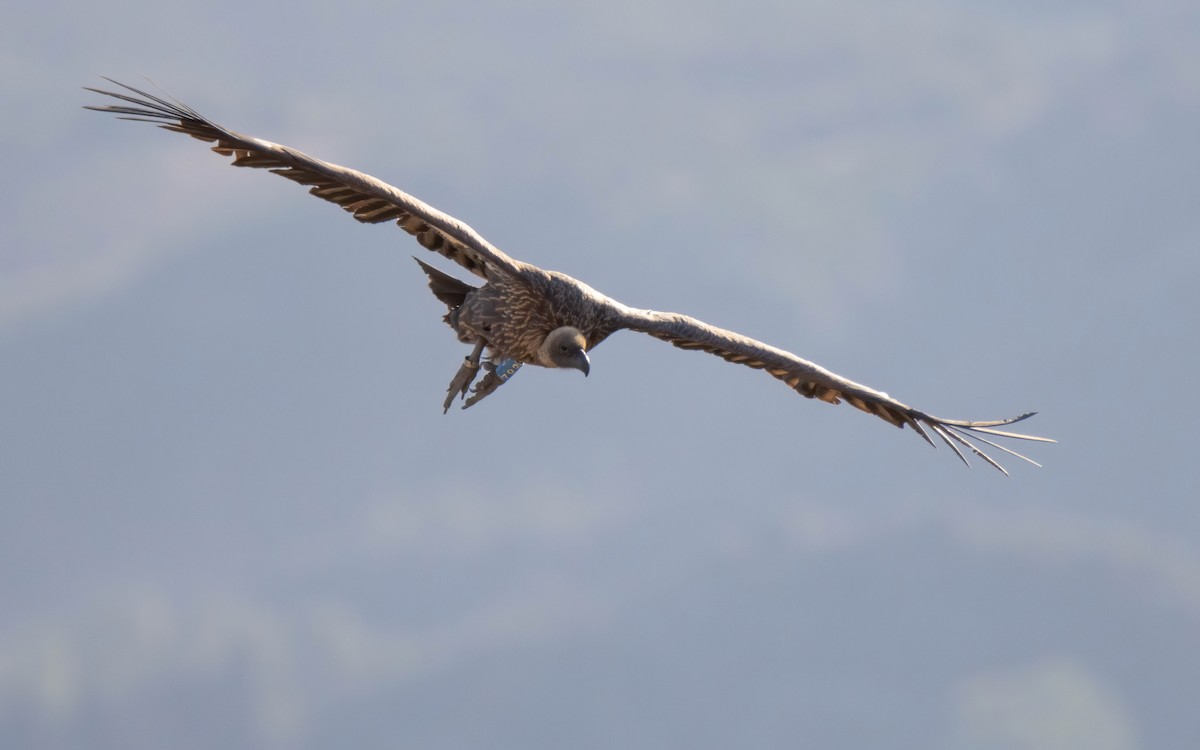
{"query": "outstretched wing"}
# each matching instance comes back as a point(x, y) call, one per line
point(814, 381)
point(370, 200)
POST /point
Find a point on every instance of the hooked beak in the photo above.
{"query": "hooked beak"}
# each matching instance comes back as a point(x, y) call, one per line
point(582, 363)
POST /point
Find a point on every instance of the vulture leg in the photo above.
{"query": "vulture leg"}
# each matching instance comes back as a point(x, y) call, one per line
point(498, 374)
point(465, 376)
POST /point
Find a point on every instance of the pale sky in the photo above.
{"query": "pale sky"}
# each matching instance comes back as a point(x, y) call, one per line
point(232, 514)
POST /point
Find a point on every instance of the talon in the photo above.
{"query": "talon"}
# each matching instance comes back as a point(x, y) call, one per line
point(464, 377)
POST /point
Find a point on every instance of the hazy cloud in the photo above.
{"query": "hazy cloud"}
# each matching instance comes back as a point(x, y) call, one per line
point(1053, 704)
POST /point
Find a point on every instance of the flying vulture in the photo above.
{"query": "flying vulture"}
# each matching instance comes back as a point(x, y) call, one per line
point(523, 314)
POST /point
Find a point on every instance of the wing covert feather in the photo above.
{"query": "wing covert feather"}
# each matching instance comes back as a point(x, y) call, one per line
point(368, 199)
point(813, 381)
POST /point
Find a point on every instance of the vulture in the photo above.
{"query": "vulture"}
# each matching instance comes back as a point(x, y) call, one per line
point(524, 315)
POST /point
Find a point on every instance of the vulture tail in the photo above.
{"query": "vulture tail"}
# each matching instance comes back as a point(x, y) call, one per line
point(446, 288)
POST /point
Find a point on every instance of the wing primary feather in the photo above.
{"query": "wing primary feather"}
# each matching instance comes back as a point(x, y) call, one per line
point(974, 449)
point(1015, 435)
point(943, 434)
point(1009, 451)
point(908, 419)
point(990, 423)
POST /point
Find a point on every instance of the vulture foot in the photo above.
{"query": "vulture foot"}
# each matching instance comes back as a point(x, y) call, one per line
point(464, 377)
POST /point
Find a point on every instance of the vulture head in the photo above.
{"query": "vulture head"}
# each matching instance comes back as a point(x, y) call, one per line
point(565, 347)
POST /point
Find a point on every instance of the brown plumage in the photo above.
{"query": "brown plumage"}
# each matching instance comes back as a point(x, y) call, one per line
point(524, 313)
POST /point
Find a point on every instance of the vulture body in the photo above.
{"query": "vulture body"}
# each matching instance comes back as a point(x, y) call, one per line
point(523, 314)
